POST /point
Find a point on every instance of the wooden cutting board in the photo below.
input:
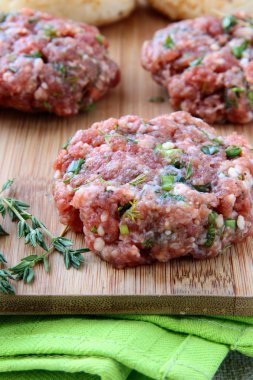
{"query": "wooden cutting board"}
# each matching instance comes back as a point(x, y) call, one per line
point(28, 146)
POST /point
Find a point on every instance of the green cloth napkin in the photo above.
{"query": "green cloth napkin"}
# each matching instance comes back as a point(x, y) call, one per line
point(132, 347)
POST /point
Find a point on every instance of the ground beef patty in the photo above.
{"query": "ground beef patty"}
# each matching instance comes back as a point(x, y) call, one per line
point(155, 190)
point(206, 64)
point(53, 65)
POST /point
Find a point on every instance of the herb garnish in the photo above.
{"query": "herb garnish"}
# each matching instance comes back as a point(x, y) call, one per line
point(188, 170)
point(157, 99)
point(228, 22)
point(230, 223)
point(167, 182)
point(138, 180)
point(209, 149)
point(33, 55)
point(100, 39)
point(148, 243)
point(233, 151)
point(50, 31)
point(129, 211)
point(168, 43)
point(12, 69)
point(238, 50)
point(74, 168)
point(203, 188)
point(196, 62)
point(173, 196)
point(123, 229)
point(35, 233)
point(250, 98)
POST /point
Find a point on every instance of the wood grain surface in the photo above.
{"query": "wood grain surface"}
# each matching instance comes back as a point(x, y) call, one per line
point(28, 146)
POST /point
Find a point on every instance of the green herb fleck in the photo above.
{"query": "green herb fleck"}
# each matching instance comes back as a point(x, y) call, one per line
point(47, 105)
point(66, 144)
point(148, 243)
point(3, 16)
point(94, 229)
point(176, 197)
point(188, 170)
point(212, 217)
point(168, 43)
point(203, 188)
point(238, 50)
point(167, 182)
point(228, 22)
point(157, 99)
point(100, 39)
point(123, 229)
point(209, 149)
point(33, 55)
point(138, 180)
point(210, 236)
point(33, 21)
point(196, 62)
point(230, 223)
point(12, 69)
point(74, 168)
point(50, 31)
point(237, 90)
point(250, 98)
point(233, 151)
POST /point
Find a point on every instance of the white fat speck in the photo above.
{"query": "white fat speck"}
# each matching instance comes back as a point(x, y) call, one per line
point(57, 174)
point(221, 175)
point(100, 230)
point(241, 222)
point(233, 173)
point(40, 94)
point(219, 221)
point(244, 61)
point(231, 198)
point(168, 145)
point(215, 47)
point(168, 233)
point(99, 244)
point(104, 216)
point(70, 188)
point(44, 85)
point(111, 188)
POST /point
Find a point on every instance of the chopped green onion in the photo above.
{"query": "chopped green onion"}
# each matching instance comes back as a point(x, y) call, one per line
point(212, 217)
point(75, 166)
point(123, 229)
point(148, 243)
point(217, 141)
point(203, 188)
point(230, 223)
point(228, 22)
point(66, 144)
point(3, 16)
point(157, 99)
point(233, 151)
point(188, 170)
point(12, 69)
point(33, 55)
point(50, 31)
point(250, 98)
point(238, 50)
point(209, 149)
point(176, 197)
point(123, 209)
point(210, 237)
point(237, 90)
point(94, 229)
point(100, 39)
point(196, 62)
point(167, 182)
point(32, 21)
point(47, 105)
point(168, 43)
point(138, 180)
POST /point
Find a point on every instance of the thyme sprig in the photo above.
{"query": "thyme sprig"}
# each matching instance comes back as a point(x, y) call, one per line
point(35, 233)
point(5, 276)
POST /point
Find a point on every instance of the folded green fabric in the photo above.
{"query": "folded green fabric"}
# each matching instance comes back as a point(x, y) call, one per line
point(132, 347)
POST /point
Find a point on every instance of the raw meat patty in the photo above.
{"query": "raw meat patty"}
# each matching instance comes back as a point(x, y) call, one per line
point(206, 64)
point(53, 65)
point(155, 190)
